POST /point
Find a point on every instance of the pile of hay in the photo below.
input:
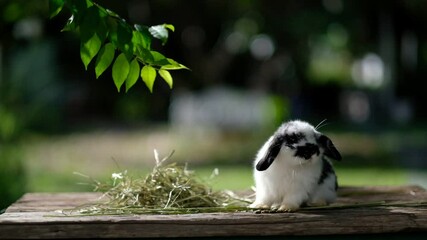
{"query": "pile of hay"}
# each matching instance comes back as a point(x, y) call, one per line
point(168, 189)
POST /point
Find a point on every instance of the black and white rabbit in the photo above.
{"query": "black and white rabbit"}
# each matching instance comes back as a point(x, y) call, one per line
point(293, 169)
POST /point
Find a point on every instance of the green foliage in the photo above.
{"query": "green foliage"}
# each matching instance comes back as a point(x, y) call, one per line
point(55, 6)
point(106, 34)
point(166, 76)
point(133, 74)
point(120, 70)
point(8, 125)
point(12, 175)
point(104, 59)
point(148, 74)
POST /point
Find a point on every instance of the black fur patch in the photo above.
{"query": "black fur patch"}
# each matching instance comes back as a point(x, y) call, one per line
point(307, 151)
point(327, 170)
point(272, 152)
point(328, 146)
point(293, 138)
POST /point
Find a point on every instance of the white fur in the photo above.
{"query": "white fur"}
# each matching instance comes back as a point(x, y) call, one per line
point(290, 181)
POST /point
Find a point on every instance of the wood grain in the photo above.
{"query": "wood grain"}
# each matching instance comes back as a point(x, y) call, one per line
point(34, 217)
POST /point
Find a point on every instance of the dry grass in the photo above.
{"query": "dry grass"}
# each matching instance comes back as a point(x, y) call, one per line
point(168, 188)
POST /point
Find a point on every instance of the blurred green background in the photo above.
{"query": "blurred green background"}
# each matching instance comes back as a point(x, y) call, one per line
point(359, 64)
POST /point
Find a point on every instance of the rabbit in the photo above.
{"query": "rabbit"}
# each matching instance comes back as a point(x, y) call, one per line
point(293, 169)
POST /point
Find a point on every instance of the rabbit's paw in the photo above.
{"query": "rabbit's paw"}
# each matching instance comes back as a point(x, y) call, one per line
point(256, 205)
point(285, 207)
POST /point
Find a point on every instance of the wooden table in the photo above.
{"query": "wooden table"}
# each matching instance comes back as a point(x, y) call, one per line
point(34, 217)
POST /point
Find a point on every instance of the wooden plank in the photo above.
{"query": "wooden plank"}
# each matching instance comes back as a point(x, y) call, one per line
point(31, 218)
point(33, 202)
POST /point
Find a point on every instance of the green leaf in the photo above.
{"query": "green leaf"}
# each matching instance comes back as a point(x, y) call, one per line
point(89, 49)
point(133, 74)
point(124, 39)
point(144, 55)
point(112, 14)
point(112, 27)
point(79, 6)
point(174, 65)
point(89, 23)
point(120, 70)
point(138, 39)
point(93, 32)
point(104, 59)
point(166, 76)
point(148, 75)
point(102, 30)
point(159, 59)
point(159, 32)
point(145, 35)
point(55, 7)
point(169, 26)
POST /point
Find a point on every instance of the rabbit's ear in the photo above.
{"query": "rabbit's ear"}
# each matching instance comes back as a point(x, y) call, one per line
point(328, 146)
point(271, 154)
